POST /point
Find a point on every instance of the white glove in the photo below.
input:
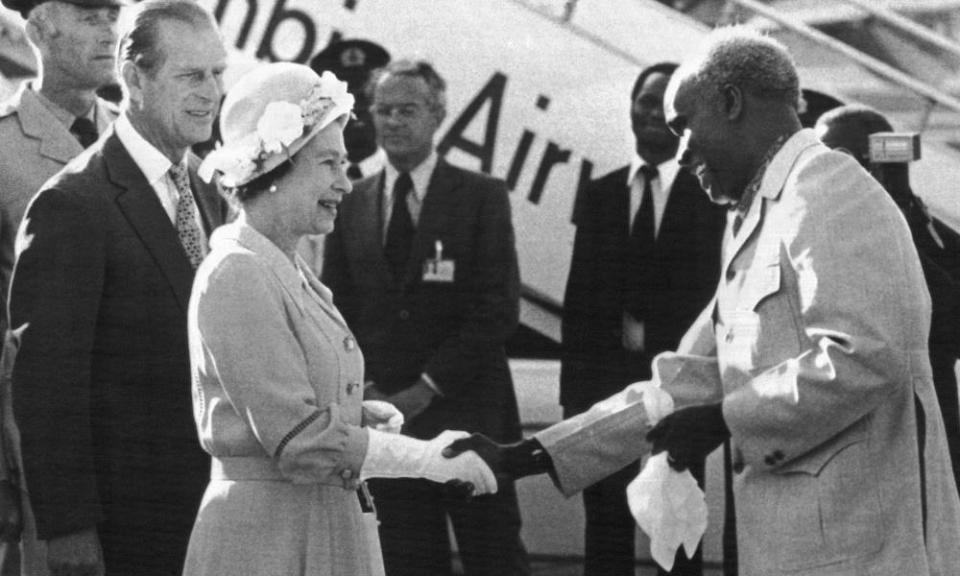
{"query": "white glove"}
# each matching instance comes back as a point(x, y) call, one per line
point(397, 456)
point(382, 416)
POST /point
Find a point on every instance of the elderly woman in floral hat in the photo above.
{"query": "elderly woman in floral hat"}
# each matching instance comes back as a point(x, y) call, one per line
point(277, 374)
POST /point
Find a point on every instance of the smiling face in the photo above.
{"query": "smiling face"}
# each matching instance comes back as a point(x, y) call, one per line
point(655, 142)
point(308, 195)
point(174, 106)
point(708, 145)
point(406, 117)
point(78, 47)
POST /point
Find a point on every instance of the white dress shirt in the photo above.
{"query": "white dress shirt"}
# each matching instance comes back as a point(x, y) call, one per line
point(666, 174)
point(156, 169)
point(420, 176)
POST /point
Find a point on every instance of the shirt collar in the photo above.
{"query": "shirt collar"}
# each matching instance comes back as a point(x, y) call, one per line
point(151, 161)
point(420, 176)
point(666, 171)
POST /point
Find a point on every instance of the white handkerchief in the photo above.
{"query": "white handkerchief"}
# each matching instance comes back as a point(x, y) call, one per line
point(669, 507)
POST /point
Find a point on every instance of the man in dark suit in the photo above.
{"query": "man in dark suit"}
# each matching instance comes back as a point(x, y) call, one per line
point(646, 260)
point(98, 306)
point(49, 120)
point(423, 266)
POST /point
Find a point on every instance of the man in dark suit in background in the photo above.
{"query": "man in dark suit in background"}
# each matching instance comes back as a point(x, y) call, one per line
point(423, 266)
point(646, 261)
point(98, 305)
point(355, 61)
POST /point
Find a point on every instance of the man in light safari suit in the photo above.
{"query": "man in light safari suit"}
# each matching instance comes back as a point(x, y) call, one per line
point(812, 357)
point(74, 42)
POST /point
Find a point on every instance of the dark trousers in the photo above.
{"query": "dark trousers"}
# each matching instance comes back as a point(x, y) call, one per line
point(610, 531)
point(413, 530)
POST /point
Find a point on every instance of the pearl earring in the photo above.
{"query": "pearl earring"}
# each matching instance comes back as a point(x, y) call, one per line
point(272, 189)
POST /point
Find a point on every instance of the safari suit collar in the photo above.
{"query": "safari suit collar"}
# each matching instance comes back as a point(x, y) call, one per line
point(773, 180)
point(40, 122)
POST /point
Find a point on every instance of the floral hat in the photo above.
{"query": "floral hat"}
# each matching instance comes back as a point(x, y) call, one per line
point(269, 115)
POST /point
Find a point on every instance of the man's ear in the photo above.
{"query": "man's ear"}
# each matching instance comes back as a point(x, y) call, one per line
point(731, 97)
point(133, 80)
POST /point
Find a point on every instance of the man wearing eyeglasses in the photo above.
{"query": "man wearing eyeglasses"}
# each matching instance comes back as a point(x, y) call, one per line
point(423, 267)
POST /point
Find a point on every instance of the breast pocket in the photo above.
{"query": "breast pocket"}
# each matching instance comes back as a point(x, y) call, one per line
point(828, 510)
point(748, 324)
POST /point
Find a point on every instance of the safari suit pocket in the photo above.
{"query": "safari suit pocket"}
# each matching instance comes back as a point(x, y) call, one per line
point(826, 514)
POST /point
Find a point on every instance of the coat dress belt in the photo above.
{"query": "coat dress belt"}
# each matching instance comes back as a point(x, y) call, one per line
point(240, 468)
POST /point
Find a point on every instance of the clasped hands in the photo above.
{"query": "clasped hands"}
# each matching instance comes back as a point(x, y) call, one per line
point(688, 435)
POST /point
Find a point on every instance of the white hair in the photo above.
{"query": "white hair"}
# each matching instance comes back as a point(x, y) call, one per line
point(743, 57)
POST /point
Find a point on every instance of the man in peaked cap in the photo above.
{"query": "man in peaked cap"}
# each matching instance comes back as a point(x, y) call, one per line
point(354, 61)
point(47, 122)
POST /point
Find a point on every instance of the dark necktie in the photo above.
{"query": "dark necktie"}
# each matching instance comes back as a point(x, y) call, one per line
point(84, 130)
point(400, 231)
point(640, 248)
point(187, 229)
point(644, 228)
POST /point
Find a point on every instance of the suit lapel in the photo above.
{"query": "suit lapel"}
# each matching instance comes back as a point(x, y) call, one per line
point(38, 122)
point(142, 209)
point(368, 238)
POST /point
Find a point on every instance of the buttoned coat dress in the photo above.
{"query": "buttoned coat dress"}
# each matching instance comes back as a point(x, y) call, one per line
point(816, 343)
point(277, 400)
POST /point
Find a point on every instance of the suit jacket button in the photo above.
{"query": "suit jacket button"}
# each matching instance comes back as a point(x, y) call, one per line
point(349, 343)
point(346, 474)
point(352, 387)
point(729, 336)
point(404, 314)
point(731, 274)
point(738, 467)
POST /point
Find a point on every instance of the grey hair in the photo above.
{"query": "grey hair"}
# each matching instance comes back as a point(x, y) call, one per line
point(139, 44)
point(415, 69)
point(743, 57)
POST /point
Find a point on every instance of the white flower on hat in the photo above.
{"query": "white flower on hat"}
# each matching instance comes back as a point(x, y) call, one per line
point(281, 124)
point(235, 164)
point(282, 128)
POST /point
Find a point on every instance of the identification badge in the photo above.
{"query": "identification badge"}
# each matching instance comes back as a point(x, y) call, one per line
point(437, 269)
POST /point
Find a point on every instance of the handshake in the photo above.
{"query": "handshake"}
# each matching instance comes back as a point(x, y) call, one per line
point(469, 465)
point(474, 464)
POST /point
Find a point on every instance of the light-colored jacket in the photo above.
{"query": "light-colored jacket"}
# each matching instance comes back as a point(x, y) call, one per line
point(816, 343)
point(277, 384)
